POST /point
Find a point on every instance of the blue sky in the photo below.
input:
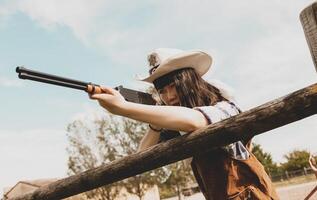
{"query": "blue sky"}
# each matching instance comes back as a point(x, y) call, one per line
point(258, 48)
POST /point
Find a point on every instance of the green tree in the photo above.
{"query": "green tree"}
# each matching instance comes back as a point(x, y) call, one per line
point(181, 176)
point(134, 131)
point(297, 159)
point(139, 184)
point(265, 158)
point(97, 141)
point(87, 149)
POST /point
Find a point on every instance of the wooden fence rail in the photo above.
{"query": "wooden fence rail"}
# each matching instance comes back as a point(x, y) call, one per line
point(282, 111)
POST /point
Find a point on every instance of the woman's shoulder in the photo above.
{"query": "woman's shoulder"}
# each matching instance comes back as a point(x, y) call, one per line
point(219, 111)
point(227, 106)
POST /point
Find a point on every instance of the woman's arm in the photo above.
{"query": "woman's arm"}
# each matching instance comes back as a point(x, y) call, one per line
point(149, 139)
point(169, 117)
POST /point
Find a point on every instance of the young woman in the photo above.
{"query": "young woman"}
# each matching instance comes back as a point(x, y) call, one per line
point(188, 103)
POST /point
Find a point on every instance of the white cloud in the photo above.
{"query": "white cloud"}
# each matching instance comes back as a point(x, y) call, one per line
point(7, 8)
point(78, 15)
point(274, 66)
point(128, 30)
point(31, 154)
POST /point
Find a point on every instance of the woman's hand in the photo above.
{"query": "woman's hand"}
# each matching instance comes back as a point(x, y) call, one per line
point(311, 159)
point(110, 99)
point(312, 163)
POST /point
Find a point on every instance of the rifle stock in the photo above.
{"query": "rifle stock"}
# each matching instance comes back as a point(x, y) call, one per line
point(129, 94)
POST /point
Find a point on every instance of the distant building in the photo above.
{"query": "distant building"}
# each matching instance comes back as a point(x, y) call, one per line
point(191, 189)
point(23, 187)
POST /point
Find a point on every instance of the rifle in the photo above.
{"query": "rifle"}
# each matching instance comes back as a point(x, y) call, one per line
point(128, 94)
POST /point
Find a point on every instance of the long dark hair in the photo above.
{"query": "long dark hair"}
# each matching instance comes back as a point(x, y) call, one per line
point(193, 91)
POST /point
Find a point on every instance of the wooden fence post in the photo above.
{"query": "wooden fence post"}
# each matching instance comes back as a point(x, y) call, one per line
point(308, 18)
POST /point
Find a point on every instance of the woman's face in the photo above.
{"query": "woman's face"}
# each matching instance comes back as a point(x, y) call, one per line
point(169, 95)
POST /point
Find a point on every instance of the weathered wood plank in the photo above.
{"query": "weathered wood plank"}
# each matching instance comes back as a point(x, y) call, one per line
point(308, 18)
point(282, 111)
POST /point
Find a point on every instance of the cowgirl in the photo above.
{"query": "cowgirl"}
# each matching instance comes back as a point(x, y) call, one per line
point(189, 103)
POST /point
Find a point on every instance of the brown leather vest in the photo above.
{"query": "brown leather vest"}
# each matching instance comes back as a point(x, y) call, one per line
point(221, 177)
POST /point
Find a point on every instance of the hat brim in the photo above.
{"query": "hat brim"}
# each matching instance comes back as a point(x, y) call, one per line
point(198, 60)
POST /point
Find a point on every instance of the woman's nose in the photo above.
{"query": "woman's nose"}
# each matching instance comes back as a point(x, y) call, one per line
point(170, 94)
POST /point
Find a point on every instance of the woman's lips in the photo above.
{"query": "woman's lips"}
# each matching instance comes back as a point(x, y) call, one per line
point(174, 103)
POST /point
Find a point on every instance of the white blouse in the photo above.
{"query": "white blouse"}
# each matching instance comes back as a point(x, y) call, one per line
point(220, 111)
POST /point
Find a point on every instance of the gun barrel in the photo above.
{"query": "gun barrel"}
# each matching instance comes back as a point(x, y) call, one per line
point(128, 94)
point(23, 75)
point(33, 73)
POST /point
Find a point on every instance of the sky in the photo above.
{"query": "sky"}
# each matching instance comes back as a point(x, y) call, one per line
point(258, 48)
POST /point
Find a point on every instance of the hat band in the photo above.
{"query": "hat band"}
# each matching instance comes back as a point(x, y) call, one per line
point(166, 79)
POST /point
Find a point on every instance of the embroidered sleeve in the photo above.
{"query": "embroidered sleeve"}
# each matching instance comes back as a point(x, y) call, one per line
point(221, 111)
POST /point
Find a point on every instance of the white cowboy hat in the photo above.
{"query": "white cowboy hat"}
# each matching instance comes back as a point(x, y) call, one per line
point(164, 60)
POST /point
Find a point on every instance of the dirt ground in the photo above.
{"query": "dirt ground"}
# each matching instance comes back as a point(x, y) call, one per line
point(293, 192)
point(297, 192)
